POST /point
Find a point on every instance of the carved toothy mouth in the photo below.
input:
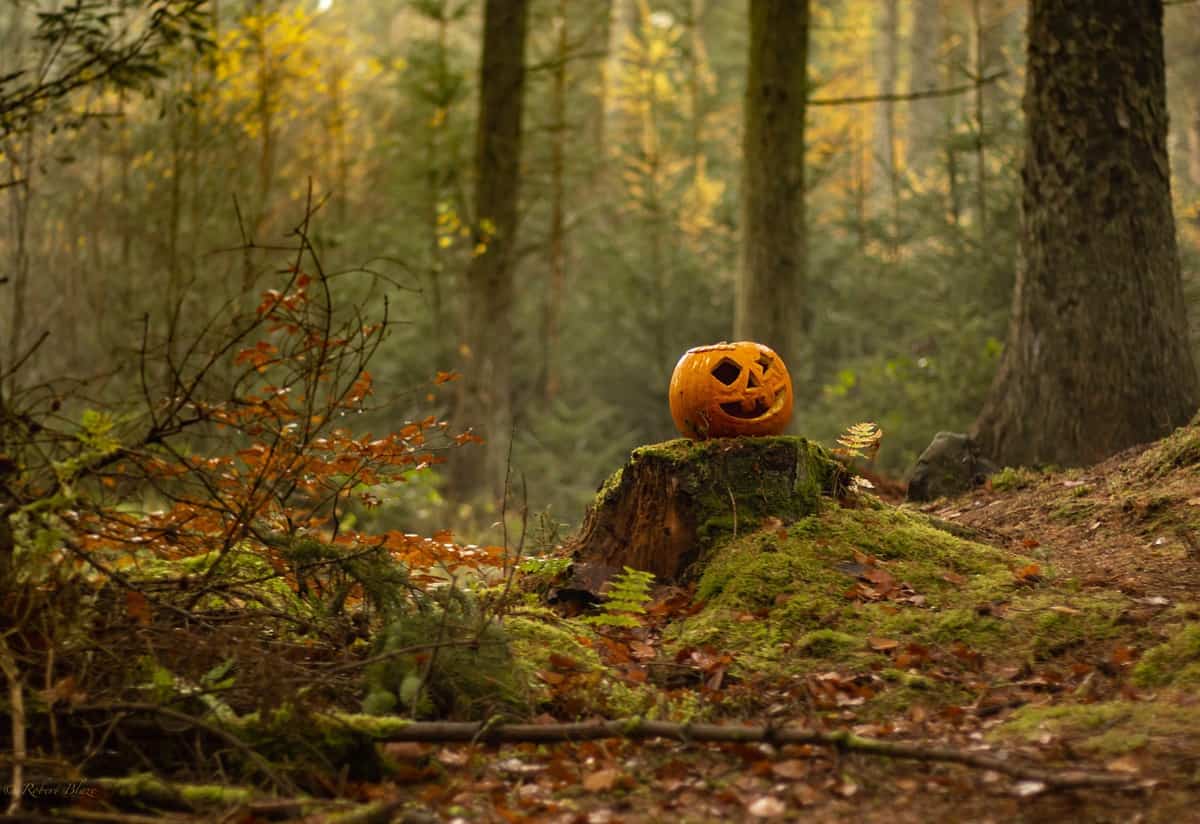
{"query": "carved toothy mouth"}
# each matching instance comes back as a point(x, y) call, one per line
point(761, 408)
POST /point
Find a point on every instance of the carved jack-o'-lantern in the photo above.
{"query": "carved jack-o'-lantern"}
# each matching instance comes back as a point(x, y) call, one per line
point(730, 389)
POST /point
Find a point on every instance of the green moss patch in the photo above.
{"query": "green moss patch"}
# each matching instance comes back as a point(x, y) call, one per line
point(860, 589)
point(1173, 663)
point(555, 661)
point(1106, 729)
point(1014, 478)
point(1180, 449)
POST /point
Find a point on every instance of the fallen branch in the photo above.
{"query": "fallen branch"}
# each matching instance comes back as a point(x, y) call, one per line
point(397, 729)
point(16, 710)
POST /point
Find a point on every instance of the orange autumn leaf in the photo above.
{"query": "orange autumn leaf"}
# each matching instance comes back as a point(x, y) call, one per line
point(137, 607)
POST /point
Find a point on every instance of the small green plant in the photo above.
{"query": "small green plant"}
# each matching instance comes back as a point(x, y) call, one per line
point(1010, 478)
point(626, 600)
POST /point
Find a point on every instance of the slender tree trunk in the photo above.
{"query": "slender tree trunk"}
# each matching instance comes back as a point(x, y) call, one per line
point(265, 112)
point(981, 64)
point(1097, 357)
point(925, 118)
point(556, 287)
point(770, 291)
point(887, 67)
point(623, 19)
point(698, 81)
point(1193, 128)
point(434, 193)
point(604, 79)
point(485, 397)
point(21, 202)
point(1182, 25)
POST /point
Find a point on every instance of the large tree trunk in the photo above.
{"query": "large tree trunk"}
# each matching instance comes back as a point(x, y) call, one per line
point(1097, 356)
point(485, 397)
point(770, 291)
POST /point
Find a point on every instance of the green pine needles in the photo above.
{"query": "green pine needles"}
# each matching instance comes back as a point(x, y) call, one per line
point(628, 593)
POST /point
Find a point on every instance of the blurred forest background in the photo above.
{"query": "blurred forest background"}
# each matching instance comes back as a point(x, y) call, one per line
point(119, 204)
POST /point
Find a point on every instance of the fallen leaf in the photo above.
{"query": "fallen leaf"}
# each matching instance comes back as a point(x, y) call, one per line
point(805, 795)
point(519, 767)
point(601, 780)
point(847, 789)
point(767, 806)
point(643, 651)
point(453, 757)
point(882, 644)
point(792, 769)
point(1031, 573)
point(1124, 764)
point(1025, 789)
point(1065, 610)
point(406, 750)
point(562, 662)
point(1121, 656)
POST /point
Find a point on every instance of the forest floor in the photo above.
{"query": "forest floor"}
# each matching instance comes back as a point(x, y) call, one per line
point(1128, 529)
point(1101, 564)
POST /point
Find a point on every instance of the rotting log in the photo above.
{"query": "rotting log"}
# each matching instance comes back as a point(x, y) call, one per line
point(382, 729)
point(673, 500)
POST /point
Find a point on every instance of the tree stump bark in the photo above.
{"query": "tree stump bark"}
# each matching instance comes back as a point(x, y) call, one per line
point(673, 500)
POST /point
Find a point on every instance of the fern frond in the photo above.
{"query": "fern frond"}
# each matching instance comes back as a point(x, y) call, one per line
point(860, 441)
point(625, 603)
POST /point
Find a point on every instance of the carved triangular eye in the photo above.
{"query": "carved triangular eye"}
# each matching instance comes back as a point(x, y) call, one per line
point(726, 371)
point(752, 381)
point(765, 362)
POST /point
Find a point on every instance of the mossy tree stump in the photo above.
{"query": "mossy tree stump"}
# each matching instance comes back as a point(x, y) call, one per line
point(673, 500)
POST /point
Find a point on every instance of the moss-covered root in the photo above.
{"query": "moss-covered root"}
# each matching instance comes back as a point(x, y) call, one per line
point(151, 790)
point(675, 499)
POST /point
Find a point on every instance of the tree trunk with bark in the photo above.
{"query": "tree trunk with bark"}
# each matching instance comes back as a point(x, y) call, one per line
point(673, 500)
point(485, 397)
point(770, 290)
point(1097, 357)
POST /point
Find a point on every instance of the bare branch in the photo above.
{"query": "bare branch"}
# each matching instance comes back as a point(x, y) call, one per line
point(900, 98)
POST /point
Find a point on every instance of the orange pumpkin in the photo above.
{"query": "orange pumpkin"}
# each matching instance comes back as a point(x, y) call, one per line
point(730, 389)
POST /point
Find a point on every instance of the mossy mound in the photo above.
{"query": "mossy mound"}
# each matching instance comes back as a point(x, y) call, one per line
point(557, 660)
point(1107, 728)
point(1179, 449)
point(1175, 663)
point(858, 589)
